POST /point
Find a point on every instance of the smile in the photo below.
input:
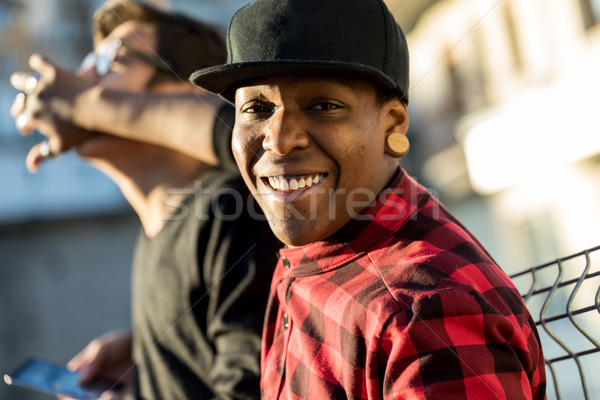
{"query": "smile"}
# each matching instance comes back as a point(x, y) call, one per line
point(294, 182)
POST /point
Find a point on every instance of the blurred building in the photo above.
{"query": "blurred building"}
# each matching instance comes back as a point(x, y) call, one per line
point(504, 101)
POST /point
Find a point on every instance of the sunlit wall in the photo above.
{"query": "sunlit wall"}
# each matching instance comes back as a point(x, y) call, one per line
point(506, 105)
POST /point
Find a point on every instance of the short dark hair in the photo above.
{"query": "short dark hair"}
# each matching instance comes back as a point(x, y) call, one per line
point(185, 43)
point(383, 95)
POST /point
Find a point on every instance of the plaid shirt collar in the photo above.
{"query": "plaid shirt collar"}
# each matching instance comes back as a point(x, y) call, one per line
point(393, 208)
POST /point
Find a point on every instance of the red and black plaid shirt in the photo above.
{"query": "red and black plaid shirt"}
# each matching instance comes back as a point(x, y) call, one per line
point(404, 304)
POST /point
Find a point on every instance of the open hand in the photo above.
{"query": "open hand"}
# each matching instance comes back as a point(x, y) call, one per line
point(47, 104)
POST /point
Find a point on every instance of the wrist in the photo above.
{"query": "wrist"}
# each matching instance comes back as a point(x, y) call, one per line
point(85, 108)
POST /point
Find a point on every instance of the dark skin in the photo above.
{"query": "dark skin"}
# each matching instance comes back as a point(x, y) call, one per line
point(291, 131)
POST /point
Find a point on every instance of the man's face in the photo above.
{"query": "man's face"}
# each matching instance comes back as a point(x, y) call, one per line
point(127, 72)
point(311, 150)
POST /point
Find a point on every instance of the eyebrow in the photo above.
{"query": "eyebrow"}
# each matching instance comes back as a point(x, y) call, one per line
point(253, 91)
point(250, 94)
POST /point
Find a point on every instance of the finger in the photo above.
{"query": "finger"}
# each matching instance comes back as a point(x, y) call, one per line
point(18, 105)
point(31, 83)
point(107, 396)
point(33, 159)
point(76, 362)
point(17, 79)
point(24, 124)
point(42, 65)
point(89, 363)
point(91, 369)
point(111, 395)
point(79, 362)
point(37, 155)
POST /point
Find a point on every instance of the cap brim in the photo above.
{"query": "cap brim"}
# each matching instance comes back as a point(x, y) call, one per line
point(225, 79)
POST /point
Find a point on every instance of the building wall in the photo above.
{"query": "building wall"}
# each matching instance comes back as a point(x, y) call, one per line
point(505, 101)
point(62, 283)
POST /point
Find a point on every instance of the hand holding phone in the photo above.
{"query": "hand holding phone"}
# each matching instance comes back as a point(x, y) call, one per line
point(54, 379)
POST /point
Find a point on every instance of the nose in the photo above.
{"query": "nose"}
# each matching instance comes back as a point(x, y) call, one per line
point(285, 133)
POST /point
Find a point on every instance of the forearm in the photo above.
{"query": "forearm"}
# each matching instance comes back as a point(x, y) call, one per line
point(188, 119)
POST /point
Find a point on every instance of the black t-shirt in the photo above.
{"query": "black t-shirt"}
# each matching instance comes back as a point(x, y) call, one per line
point(199, 293)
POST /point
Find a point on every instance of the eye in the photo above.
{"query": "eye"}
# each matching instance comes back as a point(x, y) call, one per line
point(256, 108)
point(325, 105)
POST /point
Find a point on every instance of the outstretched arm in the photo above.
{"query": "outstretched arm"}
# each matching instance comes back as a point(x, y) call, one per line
point(65, 108)
point(188, 118)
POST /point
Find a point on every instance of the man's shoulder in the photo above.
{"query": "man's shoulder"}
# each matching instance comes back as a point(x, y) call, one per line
point(417, 274)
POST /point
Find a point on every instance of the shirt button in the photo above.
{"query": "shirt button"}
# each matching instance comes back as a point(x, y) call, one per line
point(286, 262)
point(286, 321)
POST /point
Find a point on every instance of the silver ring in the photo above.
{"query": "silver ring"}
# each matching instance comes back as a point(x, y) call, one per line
point(22, 120)
point(31, 82)
point(45, 150)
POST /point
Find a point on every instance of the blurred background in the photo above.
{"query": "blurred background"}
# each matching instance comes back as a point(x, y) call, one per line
point(505, 129)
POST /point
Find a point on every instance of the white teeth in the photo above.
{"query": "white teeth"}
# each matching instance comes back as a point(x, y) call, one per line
point(285, 184)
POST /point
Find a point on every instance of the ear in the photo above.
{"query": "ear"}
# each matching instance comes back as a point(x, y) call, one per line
point(396, 142)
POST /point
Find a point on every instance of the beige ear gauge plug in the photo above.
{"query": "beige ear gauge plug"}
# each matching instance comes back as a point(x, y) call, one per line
point(397, 145)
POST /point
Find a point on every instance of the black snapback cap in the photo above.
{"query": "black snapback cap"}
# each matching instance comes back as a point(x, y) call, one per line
point(357, 39)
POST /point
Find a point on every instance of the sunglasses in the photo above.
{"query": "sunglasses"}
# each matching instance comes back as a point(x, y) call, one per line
point(104, 58)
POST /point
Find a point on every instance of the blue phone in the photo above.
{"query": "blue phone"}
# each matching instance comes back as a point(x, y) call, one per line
point(51, 378)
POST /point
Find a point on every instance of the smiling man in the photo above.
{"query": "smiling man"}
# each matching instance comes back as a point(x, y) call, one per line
point(309, 148)
point(203, 261)
point(380, 291)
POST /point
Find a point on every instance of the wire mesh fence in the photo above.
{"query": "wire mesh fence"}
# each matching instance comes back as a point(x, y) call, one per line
point(564, 299)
